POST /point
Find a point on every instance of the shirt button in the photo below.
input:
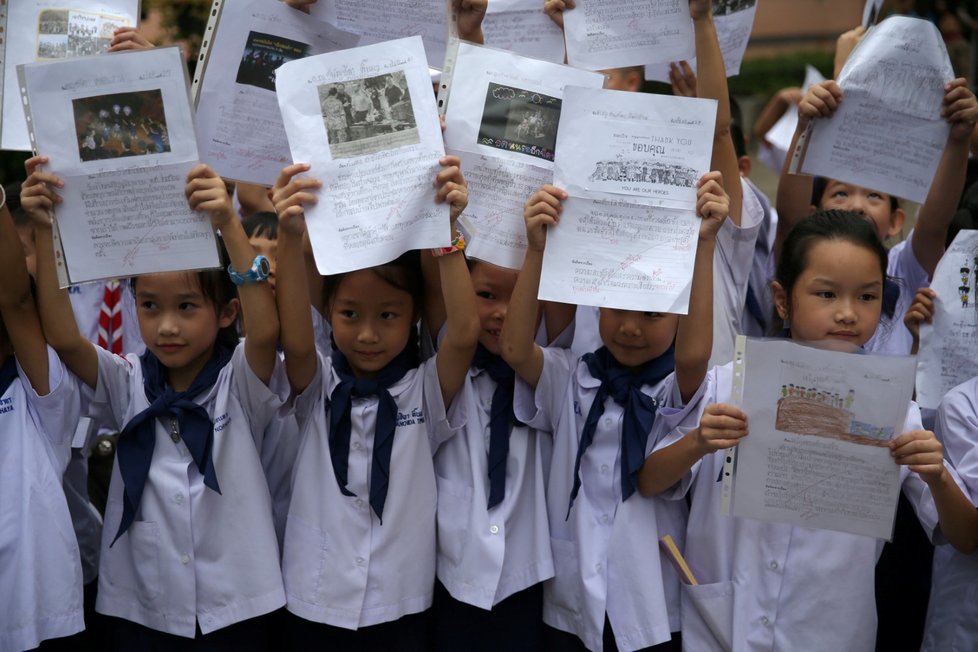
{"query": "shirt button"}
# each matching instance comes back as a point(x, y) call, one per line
point(179, 499)
point(608, 421)
point(356, 445)
point(494, 529)
point(773, 565)
point(359, 561)
point(175, 436)
point(604, 468)
point(185, 559)
point(604, 518)
point(765, 621)
point(358, 502)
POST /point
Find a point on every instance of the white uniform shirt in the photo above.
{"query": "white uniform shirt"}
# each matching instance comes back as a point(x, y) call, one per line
point(40, 569)
point(606, 555)
point(789, 588)
point(484, 556)
point(892, 335)
point(732, 262)
point(952, 615)
point(192, 555)
point(341, 565)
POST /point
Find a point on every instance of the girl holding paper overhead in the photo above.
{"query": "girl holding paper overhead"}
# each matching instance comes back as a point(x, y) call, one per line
point(790, 587)
point(189, 556)
point(359, 552)
point(610, 590)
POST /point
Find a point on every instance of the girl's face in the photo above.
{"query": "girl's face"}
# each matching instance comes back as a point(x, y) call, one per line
point(634, 338)
point(372, 321)
point(838, 297)
point(179, 324)
point(493, 290)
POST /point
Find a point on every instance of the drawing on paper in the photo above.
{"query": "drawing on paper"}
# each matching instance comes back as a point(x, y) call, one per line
point(813, 411)
point(368, 115)
point(120, 125)
point(969, 280)
point(519, 120)
point(645, 171)
point(724, 7)
point(67, 33)
point(262, 55)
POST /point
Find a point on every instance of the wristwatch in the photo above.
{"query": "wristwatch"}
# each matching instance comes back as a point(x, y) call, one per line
point(259, 271)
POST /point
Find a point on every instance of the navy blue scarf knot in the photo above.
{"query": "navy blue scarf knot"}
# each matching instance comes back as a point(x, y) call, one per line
point(501, 419)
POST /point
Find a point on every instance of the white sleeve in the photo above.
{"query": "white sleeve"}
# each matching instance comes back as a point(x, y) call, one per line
point(313, 397)
point(538, 408)
point(113, 389)
point(442, 423)
point(259, 402)
point(957, 428)
point(58, 411)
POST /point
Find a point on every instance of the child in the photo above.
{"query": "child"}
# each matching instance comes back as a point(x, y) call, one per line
point(359, 553)
point(610, 589)
point(188, 548)
point(913, 261)
point(40, 568)
point(791, 587)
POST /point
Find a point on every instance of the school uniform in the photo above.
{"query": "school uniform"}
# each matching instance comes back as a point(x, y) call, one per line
point(192, 557)
point(788, 588)
point(344, 565)
point(904, 269)
point(759, 301)
point(40, 569)
point(605, 550)
point(952, 615)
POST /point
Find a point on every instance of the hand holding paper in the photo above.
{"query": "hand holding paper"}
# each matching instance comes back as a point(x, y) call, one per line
point(542, 210)
point(37, 196)
point(290, 194)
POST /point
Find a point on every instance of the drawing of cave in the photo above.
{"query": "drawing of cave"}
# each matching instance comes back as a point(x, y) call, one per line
point(810, 411)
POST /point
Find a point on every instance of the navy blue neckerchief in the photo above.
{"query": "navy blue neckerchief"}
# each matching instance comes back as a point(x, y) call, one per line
point(8, 373)
point(340, 427)
point(501, 419)
point(138, 438)
point(624, 386)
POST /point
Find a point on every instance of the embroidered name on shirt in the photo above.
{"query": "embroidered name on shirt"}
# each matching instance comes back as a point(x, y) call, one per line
point(411, 418)
point(221, 422)
point(6, 405)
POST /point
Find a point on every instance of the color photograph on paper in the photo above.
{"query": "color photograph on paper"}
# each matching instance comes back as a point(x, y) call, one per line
point(66, 33)
point(822, 412)
point(263, 54)
point(519, 120)
point(724, 7)
point(364, 116)
point(120, 125)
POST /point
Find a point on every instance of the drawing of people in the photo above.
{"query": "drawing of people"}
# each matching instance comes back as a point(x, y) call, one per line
point(784, 391)
point(964, 291)
point(850, 397)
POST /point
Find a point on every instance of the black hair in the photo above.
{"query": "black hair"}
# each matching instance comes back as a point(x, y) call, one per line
point(261, 224)
point(819, 184)
point(820, 226)
point(216, 286)
point(402, 273)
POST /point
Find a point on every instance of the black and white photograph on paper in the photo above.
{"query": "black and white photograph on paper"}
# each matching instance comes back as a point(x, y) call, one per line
point(368, 115)
point(645, 172)
point(120, 125)
point(519, 120)
point(725, 7)
point(67, 33)
point(263, 54)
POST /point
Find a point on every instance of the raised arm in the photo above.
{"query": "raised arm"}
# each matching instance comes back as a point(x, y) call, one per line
point(519, 349)
point(780, 103)
point(462, 320)
point(711, 83)
point(930, 233)
point(469, 15)
point(207, 193)
point(128, 38)
point(18, 310)
point(694, 339)
point(38, 199)
point(291, 289)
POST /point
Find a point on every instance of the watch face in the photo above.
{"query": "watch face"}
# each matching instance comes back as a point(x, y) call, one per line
point(264, 269)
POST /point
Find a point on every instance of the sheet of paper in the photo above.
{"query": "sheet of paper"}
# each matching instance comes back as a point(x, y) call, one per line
point(386, 20)
point(627, 235)
point(239, 124)
point(779, 136)
point(525, 30)
point(949, 346)
point(43, 30)
point(604, 34)
point(887, 133)
point(377, 165)
point(119, 130)
point(502, 120)
point(820, 421)
point(734, 20)
point(871, 12)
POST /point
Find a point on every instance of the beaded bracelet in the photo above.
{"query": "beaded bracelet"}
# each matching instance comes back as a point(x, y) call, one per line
point(458, 244)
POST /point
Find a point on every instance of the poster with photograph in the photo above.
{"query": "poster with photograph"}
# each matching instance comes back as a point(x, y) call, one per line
point(48, 30)
point(239, 125)
point(817, 454)
point(119, 130)
point(949, 346)
point(501, 120)
point(366, 122)
point(630, 163)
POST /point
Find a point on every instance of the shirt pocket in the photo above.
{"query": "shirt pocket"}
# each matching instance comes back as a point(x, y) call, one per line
point(707, 616)
point(143, 577)
point(304, 560)
point(567, 582)
point(454, 509)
